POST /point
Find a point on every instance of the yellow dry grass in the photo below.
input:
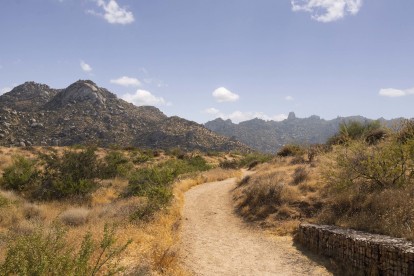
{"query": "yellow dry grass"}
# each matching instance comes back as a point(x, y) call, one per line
point(274, 198)
point(154, 247)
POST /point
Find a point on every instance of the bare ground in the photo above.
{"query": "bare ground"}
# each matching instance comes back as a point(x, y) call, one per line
point(217, 242)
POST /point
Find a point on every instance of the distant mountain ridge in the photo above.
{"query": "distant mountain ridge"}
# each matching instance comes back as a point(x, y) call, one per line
point(269, 136)
point(35, 114)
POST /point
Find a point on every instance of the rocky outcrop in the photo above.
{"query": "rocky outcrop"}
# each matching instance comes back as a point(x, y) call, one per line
point(84, 113)
point(359, 253)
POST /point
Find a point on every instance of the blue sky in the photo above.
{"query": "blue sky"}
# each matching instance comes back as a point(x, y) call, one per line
point(238, 59)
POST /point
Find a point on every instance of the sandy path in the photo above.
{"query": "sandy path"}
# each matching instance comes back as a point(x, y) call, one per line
point(216, 242)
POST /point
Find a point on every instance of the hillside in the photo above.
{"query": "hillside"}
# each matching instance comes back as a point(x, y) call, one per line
point(269, 136)
point(35, 114)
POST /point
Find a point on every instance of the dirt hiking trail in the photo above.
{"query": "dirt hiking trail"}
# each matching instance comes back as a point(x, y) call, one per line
point(214, 241)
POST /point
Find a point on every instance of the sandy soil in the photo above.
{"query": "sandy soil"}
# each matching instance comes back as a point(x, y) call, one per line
point(217, 242)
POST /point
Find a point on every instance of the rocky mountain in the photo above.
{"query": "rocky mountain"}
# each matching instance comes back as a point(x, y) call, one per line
point(35, 114)
point(269, 136)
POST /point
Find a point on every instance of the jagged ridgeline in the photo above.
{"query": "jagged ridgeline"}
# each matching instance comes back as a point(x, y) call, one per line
point(269, 136)
point(83, 113)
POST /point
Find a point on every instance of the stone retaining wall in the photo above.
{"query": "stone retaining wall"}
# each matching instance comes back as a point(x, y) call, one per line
point(359, 252)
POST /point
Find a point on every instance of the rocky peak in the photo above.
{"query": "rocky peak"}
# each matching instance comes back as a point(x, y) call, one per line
point(80, 91)
point(28, 96)
point(31, 89)
point(291, 116)
point(84, 113)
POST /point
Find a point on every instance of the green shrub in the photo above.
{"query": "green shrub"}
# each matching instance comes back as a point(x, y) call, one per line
point(229, 164)
point(50, 254)
point(141, 158)
point(291, 150)
point(155, 182)
point(152, 183)
point(387, 165)
point(21, 175)
point(371, 187)
point(371, 131)
point(158, 197)
point(176, 152)
point(115, 164)
point(196, 163)
point(253, 159)
point(3, 201)
point(72, 174)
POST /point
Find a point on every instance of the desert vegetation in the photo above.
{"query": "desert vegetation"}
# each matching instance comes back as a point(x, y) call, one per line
point(363, 179)
point(92, 211)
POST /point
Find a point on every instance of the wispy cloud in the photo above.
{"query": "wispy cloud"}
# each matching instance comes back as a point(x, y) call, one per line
point(85, 67)
point(143, 97)
point(289, 98)
point(113, 13)
point(126, 81)
point(327, 10)
point(394, 93)
point(224, 95)
point(239, 116)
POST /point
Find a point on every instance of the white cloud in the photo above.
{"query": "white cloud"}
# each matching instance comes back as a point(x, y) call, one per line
point(224, 95)
point(143, 97)
point(239, 116)
point(393, 93)
point(327, 10)
point(5, 90)
point(126, 81)
point(113, 13)
point(289, 98)
point(85, 67)
point(212, 111)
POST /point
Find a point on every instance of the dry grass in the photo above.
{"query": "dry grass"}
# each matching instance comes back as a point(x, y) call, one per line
point(33, 212)
point(279, 195)
point(154, 247)
point(75, 216)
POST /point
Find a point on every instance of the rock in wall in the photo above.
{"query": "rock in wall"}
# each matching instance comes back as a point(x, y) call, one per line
point(359, 252)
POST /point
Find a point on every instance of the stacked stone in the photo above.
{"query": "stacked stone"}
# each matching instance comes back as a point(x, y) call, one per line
point(358, 251)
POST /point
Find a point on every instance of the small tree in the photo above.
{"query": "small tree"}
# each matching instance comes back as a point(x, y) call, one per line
point(21, 175)
point(72, 174)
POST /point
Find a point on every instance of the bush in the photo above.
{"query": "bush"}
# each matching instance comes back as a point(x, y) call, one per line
point(229, 164)
point(33, 212)
point(354, 130)
point(50, 254)
point(3, 201)
point(387, 165)
point(71, 175)
point(75, 216)
point(253, 159)
point(260, 195)
point(154, 183)
point(300, 175)
point(291, 150)
point(316, 149)
point(375, 136)
point(141, 158)
point(115, 164)
point(176, 152)
point(406, 131)
point(21, 175)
